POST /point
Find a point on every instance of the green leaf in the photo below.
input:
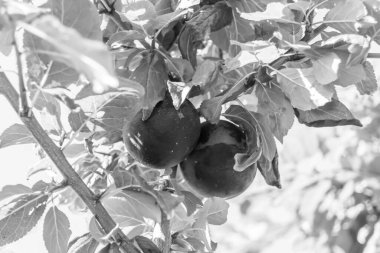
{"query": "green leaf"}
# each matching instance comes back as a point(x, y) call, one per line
point(71, 13)
point(132, 208)
point(178, 92)
point(152, 74)
point(136, 12)
point(277, 12)
point(217, 209)
point(6, 35)
point(15, 135)
point(240, 30)
point(302, 88)
point(273, 103)
point(331, 114)
point(368, 85)
point(19, 216)
point(257, 128)
point(13, 190)
point(146, 245)
point(344, 21)
point(191, 202)
point(326, 68)
point(68, 46)
point(372, 29)
point(83, 244)
point(269, 170)
point(208, 19)
point(56, 231)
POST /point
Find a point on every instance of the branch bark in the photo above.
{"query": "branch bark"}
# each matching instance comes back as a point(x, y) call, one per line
point(59, 159)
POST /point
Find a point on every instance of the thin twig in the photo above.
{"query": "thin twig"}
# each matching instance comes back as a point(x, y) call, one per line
point(59, 159)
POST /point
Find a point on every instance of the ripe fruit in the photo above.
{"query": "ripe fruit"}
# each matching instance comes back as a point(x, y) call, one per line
point(166, 137)
point(209, 168)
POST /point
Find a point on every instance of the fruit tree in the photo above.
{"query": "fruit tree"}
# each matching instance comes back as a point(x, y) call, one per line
point(151, 114)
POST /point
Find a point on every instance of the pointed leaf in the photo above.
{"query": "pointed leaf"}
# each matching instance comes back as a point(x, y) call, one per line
point(89, 57)
point(146, 245)
point(273, 103)
point(269, 170)
point(83, 244)
point(331, 114)
point(217, 211)
point(152, 74)
point(12, 190)
point(191, 202)
point(15, 135)
point(344, 21)
point(56, 232)
point(302, 88)
point(369, 84)
point(259, 129)
point(19, 216)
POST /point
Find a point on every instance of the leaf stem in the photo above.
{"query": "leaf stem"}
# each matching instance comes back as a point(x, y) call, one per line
point(59, 159)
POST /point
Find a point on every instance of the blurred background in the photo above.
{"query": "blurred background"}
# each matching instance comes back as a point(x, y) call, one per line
point(329, 201)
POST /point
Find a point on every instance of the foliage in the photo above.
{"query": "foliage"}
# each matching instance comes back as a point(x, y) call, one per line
point(86, 68)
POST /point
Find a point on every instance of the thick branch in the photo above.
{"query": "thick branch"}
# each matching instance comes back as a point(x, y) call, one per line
point(57, 156)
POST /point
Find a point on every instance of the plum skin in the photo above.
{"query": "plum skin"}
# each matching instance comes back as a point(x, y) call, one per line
point(166, 137)
point(209, 168)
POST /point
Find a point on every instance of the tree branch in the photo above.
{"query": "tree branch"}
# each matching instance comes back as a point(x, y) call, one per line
point(59, 159)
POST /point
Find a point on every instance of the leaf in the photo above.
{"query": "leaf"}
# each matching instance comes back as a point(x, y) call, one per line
point(372, 29)
point(146, 245)
point(206, 73)
point(326, 68)
point(178, 92)
point(113, 109)
point(181, 68)
point(13, 190)
point(6, 35)
point(355, 45)
point(191, 202)
point(258, 126)
point(152, 74)
point(132, 208)
point(331, 114)
point(20, 216)
point(217, 209)
point(170, 200)
point(77, 120)
point(212, 108)
point(241, 59)
point(273, 103)
point(277, 12)
point(15, 135)
point(369, 84)
point(303, 90)
point(137, 12)
point(56, 232)
point(66, 45)
point(208, 19)
point(83, 244)
point(240, 29)
point(74, 14)
point(344, 21)
point(269, 170)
